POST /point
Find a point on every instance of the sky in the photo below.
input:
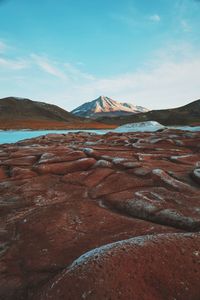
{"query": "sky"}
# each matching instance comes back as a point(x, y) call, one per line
point(67, 52)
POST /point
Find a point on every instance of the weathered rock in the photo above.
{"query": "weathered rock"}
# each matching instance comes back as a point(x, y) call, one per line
point(158, 205)
point(3, 174)
point(151, 267)
point(117, 182)
point(65, 167)
point(169, 181)
point(22, 173)
point(196, 175)
point(142, 171)
point(59, 200)
point(61, 157)
point(102, 163)
point(76, 178)
point(97, 176)
point(22, 161)
point(185, 159)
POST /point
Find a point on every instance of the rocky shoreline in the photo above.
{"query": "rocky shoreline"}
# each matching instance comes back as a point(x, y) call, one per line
point(114, 216)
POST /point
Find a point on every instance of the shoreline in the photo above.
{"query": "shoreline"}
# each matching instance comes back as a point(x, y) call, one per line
point(47, 129)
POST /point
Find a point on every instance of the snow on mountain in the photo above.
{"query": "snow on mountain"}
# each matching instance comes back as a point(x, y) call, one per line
point(104, 106)
point(150, 126)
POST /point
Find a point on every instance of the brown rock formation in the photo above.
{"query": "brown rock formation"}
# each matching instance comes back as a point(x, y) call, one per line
point(135, 197)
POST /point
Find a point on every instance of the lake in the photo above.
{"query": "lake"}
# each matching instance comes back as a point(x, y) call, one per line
point(12, 136)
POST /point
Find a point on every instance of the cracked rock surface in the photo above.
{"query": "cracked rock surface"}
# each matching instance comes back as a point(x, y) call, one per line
point(114, 216)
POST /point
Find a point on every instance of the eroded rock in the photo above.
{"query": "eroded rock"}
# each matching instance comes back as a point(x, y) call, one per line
point(196, 175)
point(65, 167)
point(59, 200)
point(151, 267)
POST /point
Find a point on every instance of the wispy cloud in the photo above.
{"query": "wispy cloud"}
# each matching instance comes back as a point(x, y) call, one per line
point(3, 47)
point(13, 64)
point(7, 62)
point(163, 82)
point(48, 66)
point(185, 26)
point(134, 18)
point(171, 76)
point(155, 18)
point(76, 74)
point(64, 71)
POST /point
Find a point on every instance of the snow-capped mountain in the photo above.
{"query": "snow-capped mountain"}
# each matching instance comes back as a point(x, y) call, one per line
point(104, 106)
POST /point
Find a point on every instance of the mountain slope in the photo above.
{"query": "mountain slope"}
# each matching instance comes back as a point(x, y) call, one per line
point(18, 108)
point(19, 113)
point(184, 115)
point(104, 106)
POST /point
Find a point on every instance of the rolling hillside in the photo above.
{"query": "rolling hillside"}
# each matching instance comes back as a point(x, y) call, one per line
point(185, 115)
point(18, 113)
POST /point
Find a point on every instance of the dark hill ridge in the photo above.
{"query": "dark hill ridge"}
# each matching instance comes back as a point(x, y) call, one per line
point(185, 115)
point(19, 108)
point(20, 113)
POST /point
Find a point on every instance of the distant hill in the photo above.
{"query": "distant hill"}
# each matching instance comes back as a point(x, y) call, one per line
point(185, 115)
point(19, 108)
point(19, 113)
point(104, 106)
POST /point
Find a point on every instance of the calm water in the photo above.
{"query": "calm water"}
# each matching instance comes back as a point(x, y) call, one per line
point(12, 136)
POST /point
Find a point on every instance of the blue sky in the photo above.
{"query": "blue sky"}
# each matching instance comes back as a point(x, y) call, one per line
point(140, 51)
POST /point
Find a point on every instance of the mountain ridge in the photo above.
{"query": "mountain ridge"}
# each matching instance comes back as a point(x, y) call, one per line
point(105, 106)
point(15, 107)
point(23, 113)
point(188, 114)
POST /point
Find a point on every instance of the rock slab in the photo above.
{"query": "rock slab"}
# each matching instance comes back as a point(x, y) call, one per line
point(114, 216)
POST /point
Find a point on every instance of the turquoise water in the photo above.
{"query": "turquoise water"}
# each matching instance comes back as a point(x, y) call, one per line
point(12, 136)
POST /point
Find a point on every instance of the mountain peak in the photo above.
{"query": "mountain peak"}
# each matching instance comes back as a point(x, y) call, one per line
point(102, 97)
point(105, 106)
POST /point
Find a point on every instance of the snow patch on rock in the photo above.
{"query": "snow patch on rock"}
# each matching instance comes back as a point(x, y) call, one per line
point(149, 126)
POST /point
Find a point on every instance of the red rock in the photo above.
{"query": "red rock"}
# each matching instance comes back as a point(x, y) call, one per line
point(22, 173)
point(102, 163)
point(196, 175)
point(26, 151)
point(75, 200)
point(125, 163)
point(61, 220)
point(3, 174)
point(158, 205)
point(22, 161)
point(138, 268)
point(189, 159)
point(141, 171)
point(3, 154)
point(97, 176)
point(61, 157)
point(76, 177)
point(130, 164)
point(147, 157)
point(169, 181)
point(65, 167)
point(118, 182)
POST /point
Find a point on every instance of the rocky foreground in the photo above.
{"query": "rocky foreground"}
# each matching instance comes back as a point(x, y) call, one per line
point(116, 216)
